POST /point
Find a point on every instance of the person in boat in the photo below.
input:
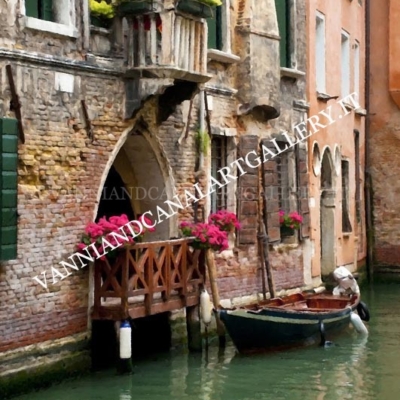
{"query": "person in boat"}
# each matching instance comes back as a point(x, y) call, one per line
point(346, 282)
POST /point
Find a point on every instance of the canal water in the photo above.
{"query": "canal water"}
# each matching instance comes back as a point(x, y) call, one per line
point(353, 368)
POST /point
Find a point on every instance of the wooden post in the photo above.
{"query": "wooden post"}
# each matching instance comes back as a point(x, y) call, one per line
point(194, 328)
point(212, 274)
point(263, 223)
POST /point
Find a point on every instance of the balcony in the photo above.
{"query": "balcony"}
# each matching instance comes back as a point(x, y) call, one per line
point(168, 45)
point(147, 279)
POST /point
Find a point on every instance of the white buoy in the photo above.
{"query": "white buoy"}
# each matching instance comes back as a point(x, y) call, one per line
point(205, 307)
point(358, 324)
point(125, 345)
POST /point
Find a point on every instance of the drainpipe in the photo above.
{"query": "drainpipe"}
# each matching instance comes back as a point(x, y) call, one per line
point(202, 112)
point(367, 169)
point(200, 160)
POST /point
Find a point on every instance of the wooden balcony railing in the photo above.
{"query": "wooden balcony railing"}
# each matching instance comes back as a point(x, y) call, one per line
point(148, 278)
point(167, 45)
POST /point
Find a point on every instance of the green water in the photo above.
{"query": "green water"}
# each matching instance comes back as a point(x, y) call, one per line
point(354, 368)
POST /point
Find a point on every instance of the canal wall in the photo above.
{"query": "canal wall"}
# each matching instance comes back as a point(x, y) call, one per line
point(44, 364)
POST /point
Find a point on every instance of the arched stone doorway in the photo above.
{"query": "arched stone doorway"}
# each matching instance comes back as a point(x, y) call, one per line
point(327, 217)
point(138, 179)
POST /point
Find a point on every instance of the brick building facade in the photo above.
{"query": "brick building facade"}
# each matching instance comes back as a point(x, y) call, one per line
point(136, 132)
point(383, 134)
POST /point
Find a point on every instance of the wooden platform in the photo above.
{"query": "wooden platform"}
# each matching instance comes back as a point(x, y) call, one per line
point(147, 279)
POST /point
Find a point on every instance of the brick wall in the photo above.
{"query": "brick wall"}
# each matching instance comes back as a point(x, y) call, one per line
point(61, 172)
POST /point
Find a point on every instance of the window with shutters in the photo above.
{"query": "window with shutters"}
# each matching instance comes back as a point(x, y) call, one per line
point(284, 25)
point(283, 175)
point(42, 9)
point(345, 63)
point(54, 16)
point(215, 39)
point(357, 174)
point(219, 35)
point(8, 188)
point(219, 146)
point(346, 224)
point(320, 67)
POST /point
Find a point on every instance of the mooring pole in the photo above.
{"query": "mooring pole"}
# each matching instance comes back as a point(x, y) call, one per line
point(212, 274)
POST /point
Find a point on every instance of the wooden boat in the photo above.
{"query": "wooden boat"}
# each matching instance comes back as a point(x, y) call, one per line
point(299, 319)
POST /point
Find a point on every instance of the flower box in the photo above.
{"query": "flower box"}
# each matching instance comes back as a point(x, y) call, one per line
point(196, 8)
point(287, 232)
point(100, 22)
point(136, 7)
point(289, 223)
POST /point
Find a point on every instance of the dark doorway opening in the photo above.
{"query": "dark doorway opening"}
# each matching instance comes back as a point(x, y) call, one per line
point(115, 198)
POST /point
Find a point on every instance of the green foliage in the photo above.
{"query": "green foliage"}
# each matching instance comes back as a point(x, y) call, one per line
point(211, 3)
point(203, 142)
point(102, 9)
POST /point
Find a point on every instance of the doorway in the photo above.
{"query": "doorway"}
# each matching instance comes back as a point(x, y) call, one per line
point(327, 215)
point(114, 198)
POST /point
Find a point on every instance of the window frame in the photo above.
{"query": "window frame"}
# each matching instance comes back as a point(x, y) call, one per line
point(345, 69)
point(345, 174)
point(220, 194)
point(64, 23)
point(356, 68)
point(42, 12)
point(217, 22)
point(357, 175)
point(287, 53)
point(320, 53)
point(283, 176)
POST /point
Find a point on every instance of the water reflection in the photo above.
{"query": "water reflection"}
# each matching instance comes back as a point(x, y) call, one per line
point(354, 368)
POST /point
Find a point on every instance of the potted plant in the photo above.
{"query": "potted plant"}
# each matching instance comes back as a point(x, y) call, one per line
point(101, 13)
point(289, 223)
point(97, 232)
point(126, 7)
point(198, 8)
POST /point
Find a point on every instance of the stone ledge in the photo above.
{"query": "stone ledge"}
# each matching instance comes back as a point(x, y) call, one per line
point(50, 27)
point(43, 348)
point(292, 73)
point(222, 56)
point(100, 31)
point(325, 97)
point(54, 61)
point(362, 112)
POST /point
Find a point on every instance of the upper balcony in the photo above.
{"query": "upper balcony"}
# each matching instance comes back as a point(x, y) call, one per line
point(166, 39)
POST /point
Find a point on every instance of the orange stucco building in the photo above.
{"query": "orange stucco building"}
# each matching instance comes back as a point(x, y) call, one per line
point(336, 59)
point(384, 131)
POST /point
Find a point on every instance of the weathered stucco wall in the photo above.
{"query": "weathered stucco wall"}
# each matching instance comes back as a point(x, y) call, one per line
point(348, 249)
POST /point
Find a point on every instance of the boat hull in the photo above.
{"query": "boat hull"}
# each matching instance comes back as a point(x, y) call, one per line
point(274, 329)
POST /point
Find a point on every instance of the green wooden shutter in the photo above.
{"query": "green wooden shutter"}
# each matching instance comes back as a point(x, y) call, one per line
point(8, 188)
point(47, 10)
point(32, 8)
point(215, 30)
point(282, 13)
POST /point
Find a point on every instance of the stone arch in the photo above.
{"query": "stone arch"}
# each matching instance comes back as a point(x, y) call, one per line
point(143, 166)
point(316, 159)
point(327, 168)
point(327, 214)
